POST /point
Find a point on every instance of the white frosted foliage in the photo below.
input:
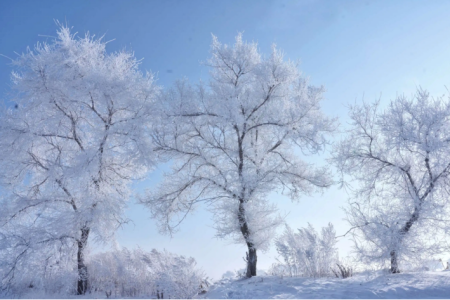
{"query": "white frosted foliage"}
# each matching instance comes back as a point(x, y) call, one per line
point(71, 147)
point(397, 165)
point(233, 141)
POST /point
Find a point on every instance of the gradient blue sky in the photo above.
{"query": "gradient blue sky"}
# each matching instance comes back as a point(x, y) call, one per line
point(356, 49)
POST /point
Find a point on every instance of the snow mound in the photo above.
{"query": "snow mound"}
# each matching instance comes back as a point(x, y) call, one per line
point(406, 285)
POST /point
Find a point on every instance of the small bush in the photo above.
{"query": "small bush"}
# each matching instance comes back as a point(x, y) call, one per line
point(306, 253)
point(342, 271)
point(160, 274)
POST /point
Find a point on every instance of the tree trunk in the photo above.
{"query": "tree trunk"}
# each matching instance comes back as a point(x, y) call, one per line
point(82, 268)
point(251, 254)
point(251, 262)
point(394, 263)
point(404, 231)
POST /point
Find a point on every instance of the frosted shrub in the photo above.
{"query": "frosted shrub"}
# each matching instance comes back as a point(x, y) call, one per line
point(306, 253)
point(118, 274)
point(131, 273)
point(342, 271)
point(38, 269)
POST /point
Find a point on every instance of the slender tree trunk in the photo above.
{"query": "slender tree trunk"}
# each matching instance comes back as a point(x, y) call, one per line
point(251, 262)
point(82, 268)
point(251, 254)
point(404, 231)
point(394, 262)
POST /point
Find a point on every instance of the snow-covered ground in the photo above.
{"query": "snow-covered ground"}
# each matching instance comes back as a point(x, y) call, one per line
point(419, 285)
point(366, 285)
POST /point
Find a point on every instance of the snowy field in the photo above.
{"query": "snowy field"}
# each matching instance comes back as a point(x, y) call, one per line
point(369, 285)
point(407, 285)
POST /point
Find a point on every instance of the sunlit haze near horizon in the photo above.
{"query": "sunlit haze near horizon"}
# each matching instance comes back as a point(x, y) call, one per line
point(358, 50)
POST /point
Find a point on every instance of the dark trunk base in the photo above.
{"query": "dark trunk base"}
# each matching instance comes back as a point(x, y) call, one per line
point(82, 268)
point(394, 263)
point(251, 262)
point(82, 286)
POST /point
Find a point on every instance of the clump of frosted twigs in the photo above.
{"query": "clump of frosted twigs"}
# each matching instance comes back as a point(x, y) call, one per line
point(342, 271)
point(307, 252)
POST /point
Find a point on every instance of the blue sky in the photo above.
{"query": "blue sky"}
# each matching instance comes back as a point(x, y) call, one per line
point(356, 49)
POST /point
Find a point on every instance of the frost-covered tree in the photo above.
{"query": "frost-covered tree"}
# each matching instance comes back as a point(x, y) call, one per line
point(70, 148)
point(234, 140)
point(399, 159)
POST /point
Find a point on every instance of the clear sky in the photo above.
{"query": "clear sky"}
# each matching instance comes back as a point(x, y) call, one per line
point(356, 49)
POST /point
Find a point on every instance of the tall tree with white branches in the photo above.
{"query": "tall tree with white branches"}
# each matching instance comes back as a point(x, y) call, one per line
point(71, 147)
point(399, 159)
point(234, 141)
